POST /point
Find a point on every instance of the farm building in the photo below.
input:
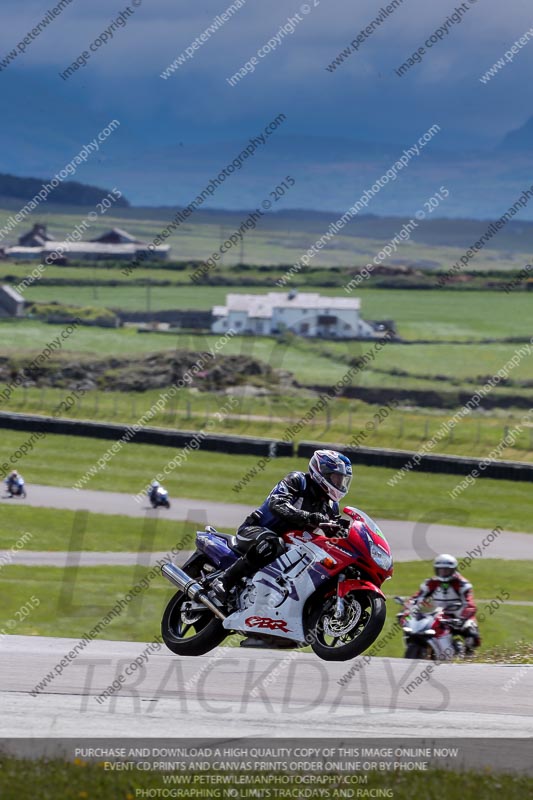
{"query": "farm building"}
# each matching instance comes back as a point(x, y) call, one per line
point(306, 314)
point(37, 237)
point(117, 236)
point(11, 302)
point(116, 245)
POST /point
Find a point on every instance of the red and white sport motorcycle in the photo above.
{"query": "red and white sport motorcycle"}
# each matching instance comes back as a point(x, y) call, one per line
point(430, 633)
point(324, 591)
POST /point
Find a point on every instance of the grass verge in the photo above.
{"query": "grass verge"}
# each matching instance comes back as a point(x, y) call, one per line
point(63, 461)
point(53, 779)
point(72, 601)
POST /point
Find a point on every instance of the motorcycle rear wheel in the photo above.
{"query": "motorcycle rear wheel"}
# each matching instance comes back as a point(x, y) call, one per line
point(192, 634)
point(341, 640)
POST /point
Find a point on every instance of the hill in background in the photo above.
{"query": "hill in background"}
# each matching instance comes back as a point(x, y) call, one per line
point(69, 193)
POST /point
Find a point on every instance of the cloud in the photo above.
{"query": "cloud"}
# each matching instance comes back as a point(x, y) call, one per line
point(363, 100)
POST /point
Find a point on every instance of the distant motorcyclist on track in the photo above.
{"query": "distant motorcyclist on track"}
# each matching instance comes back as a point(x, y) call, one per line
point(152, 491)
point(158, 495)
point(15, 484)
point(301, 500)
point(450, 590)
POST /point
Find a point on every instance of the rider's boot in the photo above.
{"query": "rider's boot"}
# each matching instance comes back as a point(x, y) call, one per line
point(242, 568)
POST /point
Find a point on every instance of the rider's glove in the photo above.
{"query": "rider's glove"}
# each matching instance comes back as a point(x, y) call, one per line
point(316, 519)
point(456, 624)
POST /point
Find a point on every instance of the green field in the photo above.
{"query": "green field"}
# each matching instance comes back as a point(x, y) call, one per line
point(72, 601)
point(271, 416)
point(64, 461)
point(53, 779)
point(418, 314)
point(53, 529)
point(283, 238)
point(435, 367)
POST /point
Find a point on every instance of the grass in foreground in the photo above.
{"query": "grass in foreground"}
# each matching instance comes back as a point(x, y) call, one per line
point(63, 461)
point(53, 779)
point(72, 601)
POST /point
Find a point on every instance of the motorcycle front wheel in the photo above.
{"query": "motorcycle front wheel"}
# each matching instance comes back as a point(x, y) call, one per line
point(418, 650)
point(340, 639)
point(189, 631)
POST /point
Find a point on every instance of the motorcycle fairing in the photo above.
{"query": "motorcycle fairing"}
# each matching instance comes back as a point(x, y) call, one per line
point(281, 590)
point(216, 548)
point(356, 585)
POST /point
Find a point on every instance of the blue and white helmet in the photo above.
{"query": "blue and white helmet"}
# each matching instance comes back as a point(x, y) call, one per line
point(332, 472)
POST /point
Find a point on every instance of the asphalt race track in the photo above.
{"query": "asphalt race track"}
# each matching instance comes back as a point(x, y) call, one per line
point(235, 693)
point(409, 541)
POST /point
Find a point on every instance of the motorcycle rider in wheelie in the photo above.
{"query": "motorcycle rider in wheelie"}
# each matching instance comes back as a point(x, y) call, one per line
point(449, 589)
point(301, 500)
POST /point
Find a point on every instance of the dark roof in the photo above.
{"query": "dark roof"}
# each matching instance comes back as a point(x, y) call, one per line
point(117, 235)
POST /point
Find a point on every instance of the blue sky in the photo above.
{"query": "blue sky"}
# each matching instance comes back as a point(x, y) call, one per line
point(195, 111)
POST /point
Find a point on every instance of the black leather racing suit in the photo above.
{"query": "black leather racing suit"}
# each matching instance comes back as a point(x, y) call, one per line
point(295, 503)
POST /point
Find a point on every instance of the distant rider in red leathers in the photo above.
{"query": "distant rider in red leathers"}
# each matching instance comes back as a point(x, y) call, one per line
point(450, 590)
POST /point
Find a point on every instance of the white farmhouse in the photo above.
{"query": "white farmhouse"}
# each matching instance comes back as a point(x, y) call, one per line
point(306, 314)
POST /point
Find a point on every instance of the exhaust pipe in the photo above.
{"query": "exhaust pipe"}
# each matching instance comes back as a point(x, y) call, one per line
point(190, 587)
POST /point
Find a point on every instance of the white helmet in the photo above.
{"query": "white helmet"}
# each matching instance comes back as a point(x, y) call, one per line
point(445, 566)
point(155, 484)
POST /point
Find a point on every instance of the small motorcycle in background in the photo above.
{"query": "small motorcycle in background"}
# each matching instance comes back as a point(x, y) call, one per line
point(16, 488)
point(430, 634)
point(159, 498)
